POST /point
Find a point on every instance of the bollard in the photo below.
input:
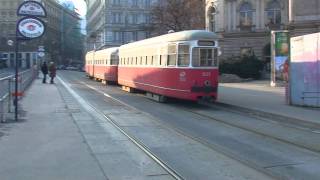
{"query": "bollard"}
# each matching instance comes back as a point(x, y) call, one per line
point(9, 92)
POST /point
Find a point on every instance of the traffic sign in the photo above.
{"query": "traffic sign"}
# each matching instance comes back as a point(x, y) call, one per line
point(41, 49)
point(31, 27)
point(41, 54)
point(32, 8)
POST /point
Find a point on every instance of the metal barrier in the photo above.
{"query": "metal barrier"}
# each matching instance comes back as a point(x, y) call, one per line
point(7, 90)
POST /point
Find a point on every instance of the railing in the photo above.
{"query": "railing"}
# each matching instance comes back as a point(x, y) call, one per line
point(7, 89)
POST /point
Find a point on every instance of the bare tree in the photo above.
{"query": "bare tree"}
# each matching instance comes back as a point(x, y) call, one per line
point(178, 15)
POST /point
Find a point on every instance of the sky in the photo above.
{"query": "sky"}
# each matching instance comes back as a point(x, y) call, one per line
point(80, 5)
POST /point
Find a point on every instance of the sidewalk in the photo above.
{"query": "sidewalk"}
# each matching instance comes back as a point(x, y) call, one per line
point(259, 96)
point(57, 139)
point(45, 144)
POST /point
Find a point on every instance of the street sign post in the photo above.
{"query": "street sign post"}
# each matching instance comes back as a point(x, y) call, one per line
point(41, 51)
point(29, 27)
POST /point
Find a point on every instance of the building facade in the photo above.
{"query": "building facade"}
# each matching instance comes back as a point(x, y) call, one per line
point(61, 25)
point(244, 25)
point(304, 17)
point(112, 23)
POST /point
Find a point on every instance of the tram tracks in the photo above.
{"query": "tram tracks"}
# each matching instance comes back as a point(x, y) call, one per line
point(138, 143)
point(216, 146)
point(264, 132)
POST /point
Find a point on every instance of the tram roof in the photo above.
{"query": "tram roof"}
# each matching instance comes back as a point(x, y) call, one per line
point(177, 36)
point(107, 52)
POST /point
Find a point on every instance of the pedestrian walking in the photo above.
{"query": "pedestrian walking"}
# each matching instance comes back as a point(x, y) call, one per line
point(52, 71)
point(44, 70)
point(286, 71)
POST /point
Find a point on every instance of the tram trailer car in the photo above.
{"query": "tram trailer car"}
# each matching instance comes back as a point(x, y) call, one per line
point(103, 64)
point(181, 65)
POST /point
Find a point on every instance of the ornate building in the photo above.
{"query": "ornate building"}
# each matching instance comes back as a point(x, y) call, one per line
point(304, 17)
point(115, 22)
point(245, 25)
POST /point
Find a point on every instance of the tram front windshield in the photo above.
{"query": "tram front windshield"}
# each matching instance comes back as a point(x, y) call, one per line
point(204, 57)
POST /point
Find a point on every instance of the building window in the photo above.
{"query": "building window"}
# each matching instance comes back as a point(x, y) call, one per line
point(273, 13)
point(116, 17)
point(129, 37)
point(147, 3)
point(117, 37)
point(116, 2)
point(135, 3)
point(246, 15)
point(141, 35)
point(212, 18)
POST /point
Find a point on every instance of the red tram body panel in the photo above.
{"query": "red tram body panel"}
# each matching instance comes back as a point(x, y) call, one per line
point(188, 84)
point(107, 73)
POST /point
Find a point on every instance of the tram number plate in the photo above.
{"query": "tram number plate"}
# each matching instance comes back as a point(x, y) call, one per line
point(206, 74)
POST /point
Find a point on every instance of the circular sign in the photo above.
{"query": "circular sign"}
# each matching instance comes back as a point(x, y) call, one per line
point(41, 54)
point(31, 8)
point(31, 27)
point(41, 49)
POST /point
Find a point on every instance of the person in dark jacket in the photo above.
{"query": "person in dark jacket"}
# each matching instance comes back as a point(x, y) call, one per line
point(52, 71)
point(44, 70)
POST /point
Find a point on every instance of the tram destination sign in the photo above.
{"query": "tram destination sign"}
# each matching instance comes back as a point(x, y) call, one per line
point(31, 8)
point(31, 27)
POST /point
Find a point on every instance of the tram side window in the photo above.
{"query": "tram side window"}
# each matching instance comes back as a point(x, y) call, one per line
point(172, 55)
point(183, 55)
point(151, 61)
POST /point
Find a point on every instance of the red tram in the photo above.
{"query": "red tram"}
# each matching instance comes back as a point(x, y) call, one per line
point(181, 65)
point(103, 64)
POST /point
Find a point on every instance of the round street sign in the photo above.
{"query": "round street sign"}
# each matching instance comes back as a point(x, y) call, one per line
point(31, 8)
point(41, 54)
point(31, 27)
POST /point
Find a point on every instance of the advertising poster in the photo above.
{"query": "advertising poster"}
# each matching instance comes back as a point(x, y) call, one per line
point(280, 56)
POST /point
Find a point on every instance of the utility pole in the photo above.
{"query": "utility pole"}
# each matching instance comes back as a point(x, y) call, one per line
point(16, 78)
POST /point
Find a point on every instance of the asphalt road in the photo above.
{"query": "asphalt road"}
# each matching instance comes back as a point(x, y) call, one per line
point(190, 139)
